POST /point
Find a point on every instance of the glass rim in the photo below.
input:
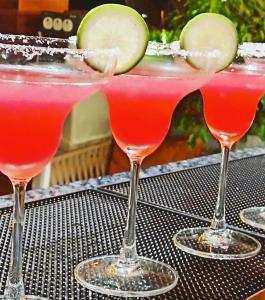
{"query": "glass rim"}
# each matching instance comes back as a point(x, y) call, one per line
point(252, 50)
point(245, 50)
point(154, 48)
point(173, 49)
point(44, 46)
point(169, 49)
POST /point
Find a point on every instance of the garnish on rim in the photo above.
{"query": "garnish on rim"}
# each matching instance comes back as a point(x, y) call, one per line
point(118, 26)
point(209, 32)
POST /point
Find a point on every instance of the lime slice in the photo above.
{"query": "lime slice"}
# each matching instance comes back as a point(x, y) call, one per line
point(208, 32)
point(114, 25)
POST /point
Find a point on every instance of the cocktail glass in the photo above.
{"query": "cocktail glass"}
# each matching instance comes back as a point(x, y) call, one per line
point(141, 104)
point(230, 102)
point(255, 216)
point(40, 81)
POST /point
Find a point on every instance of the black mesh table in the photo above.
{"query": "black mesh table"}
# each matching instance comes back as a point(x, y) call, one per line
point(194, 191)
point(62, 231)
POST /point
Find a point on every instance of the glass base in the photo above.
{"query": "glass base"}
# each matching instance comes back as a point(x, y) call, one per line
point(110, 275)
point(30, 297)
point(218, 244)
point(254, 216)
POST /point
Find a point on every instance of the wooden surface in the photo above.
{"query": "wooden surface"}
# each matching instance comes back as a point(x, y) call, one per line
point(24, 16)
point(28, 24)
point(258, 296)
point(8, 4)
point(29, 6)
point(8, 17)
point(55, 5)
point(37, 6)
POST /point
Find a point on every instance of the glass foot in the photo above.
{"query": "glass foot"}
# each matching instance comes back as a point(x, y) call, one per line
point(111, 276)
point(218, 244)
point(254, 216)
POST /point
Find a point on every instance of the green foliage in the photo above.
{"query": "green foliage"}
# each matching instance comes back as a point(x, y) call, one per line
point(188, 120)
point(249, 17)
point(258, 127)
point(163, 36)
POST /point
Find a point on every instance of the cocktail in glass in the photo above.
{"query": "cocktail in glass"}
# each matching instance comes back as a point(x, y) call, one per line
point(255, 54)
point(40, 81)
point(141, 104)
point(230, 102)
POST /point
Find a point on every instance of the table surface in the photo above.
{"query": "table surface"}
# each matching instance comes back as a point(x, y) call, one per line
point(38, 194)
point(62, 231)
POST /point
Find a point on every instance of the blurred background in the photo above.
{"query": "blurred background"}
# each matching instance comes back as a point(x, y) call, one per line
point(87, 137)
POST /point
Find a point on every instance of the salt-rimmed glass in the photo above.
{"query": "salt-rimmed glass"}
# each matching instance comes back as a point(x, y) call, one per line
point(141, 104)
point(40, 81)
point(230, 101)
point(254, 54)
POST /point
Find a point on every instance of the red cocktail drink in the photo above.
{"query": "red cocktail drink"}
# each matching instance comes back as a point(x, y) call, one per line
point(32, 116)
point(142, 102)
point(40, 81)
point(230, 102)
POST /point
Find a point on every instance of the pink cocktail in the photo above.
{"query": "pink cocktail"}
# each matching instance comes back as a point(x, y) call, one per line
point(32, 116)
point(230, 101)
point(255, 216)
point(141, 104)
point(40, 81)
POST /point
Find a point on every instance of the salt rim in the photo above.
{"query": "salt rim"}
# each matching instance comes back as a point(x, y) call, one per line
point(30, 51)
point(27, 38)
point(173, 49)
point(256, 50)
point(157, 49)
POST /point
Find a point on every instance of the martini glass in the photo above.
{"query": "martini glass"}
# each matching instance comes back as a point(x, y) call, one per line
point(255, 216)
point(141, 104)
point(230, 102)
point(40, 81)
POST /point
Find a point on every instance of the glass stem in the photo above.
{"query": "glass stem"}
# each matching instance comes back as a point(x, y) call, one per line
point(15, 288)
point(128, 251)
point(218, 221)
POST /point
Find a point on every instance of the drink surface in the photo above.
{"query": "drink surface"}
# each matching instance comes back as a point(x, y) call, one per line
point(141, 104)
point(230, 101)
point(32, 115)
